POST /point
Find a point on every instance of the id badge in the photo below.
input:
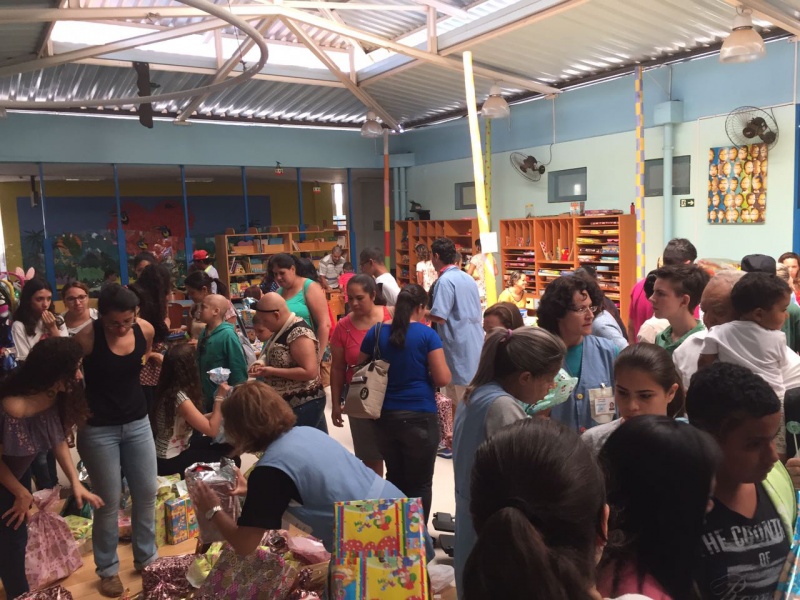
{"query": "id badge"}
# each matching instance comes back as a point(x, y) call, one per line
point(603, 405)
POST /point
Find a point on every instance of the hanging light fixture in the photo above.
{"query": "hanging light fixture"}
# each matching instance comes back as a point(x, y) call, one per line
point(278, 168)
point(317, 188)
point(371, 128)
point(744, 44)
point(495, 106)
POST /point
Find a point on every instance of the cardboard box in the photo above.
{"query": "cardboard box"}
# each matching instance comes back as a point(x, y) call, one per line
point(180, 519)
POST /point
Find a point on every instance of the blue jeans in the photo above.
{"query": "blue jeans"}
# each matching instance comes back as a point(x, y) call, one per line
point(104, 450)
point(312, 414)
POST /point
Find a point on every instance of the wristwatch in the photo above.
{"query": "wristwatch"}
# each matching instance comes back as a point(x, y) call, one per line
point(210, 513)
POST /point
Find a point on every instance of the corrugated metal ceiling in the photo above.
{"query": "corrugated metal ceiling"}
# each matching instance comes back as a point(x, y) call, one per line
point(586, 40)
point(24, 39)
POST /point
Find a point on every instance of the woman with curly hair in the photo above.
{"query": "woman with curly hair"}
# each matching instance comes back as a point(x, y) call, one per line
point(178, 412)
point(40, 403)
point(567, 310)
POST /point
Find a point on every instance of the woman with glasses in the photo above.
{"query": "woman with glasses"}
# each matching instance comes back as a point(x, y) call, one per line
point(567, 310)
point(76, 299)
point(118, 433)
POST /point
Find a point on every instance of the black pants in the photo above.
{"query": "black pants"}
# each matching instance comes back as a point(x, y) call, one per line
point(44, 470)
point(12, 548)
point(200, 450)
point(408, 442)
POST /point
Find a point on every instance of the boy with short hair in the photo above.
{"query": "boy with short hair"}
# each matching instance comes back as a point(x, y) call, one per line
point(755, 340)
point(218, 346)
point(676, 295)
point(748, 532)
point(347, 275)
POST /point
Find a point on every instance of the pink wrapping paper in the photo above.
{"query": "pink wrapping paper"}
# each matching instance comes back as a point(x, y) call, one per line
point(52, 593)
point(51, 553)
point(165, 578)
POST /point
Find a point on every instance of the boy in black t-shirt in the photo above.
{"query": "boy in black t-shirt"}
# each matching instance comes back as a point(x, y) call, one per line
point(749, 530)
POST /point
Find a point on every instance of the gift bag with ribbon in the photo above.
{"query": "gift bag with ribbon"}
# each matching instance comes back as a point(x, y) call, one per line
point(165, 578)
point(51, 553)
point(389, 578)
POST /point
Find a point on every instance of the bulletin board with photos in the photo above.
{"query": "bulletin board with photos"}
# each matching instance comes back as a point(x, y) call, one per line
point(737, 185)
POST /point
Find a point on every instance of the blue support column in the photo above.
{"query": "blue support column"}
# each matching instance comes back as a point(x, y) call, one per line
point(350, 224)
point(300, 217)
point(121, 243)
point(796, 228)
point(49, 261)
point(246, 201)
point(188, 239)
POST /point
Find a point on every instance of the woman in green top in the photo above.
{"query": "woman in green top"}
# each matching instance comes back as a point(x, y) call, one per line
point(303, 296)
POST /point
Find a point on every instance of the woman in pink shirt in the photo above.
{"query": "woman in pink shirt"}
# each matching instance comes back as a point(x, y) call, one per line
point(659, 496)
point(345, 348)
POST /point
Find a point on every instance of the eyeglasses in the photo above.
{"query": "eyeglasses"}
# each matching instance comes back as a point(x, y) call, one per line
point(271, 310)
point(581, 310)
point(126, 324)
point(73, 299)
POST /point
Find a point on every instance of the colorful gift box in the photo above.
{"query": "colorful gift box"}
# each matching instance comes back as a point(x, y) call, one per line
point(379, 528)
point(392, 578)
point(81, 529)
point(181, 522)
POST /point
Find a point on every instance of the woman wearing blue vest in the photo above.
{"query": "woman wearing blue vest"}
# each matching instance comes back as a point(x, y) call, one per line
point(515, 366)
point(302, 473)
point(567, 310)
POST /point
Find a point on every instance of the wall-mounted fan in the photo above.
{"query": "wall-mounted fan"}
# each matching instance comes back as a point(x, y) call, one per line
point(751, 125)
point(527, 166)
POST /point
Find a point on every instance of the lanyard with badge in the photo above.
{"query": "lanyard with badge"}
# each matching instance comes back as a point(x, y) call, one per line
point(601, 401)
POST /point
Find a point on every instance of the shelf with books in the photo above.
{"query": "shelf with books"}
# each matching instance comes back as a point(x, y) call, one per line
point(408, 234)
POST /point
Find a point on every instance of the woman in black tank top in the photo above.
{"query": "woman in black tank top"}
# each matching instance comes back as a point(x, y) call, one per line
point(117, 437)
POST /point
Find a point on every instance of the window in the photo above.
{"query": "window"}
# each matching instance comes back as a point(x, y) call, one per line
point(568, 185)
point(465, 196)
point(654, 176)
point(338, 200)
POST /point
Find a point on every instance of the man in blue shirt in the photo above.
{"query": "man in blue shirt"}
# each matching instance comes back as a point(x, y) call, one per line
point(457, 311)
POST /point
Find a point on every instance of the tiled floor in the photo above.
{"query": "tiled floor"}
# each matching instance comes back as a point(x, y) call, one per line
point(83, 583)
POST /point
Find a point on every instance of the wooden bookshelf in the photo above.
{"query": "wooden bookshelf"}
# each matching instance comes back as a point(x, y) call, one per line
point(242, 258)
point(544, 248)
point(407, 234)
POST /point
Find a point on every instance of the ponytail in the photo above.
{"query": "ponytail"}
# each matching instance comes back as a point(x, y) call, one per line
point(511, 559)
point(409, 299)
point(505, 351)
point(200, 279)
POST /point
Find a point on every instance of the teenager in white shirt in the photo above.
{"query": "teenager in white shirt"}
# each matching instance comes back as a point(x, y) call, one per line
point(34, 319)
point(371, 261)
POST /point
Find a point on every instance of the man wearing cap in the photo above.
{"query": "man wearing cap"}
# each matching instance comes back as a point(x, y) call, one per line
point(203, 263)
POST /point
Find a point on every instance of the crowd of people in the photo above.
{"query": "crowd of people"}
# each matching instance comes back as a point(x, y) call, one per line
point(664, 473)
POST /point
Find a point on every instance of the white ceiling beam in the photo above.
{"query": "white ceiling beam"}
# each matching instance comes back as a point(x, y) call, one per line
point(38, 15)
point(362, 95)
point(218, 48)
point(773, 14)
point(13, 68)
point(124, 64)
point(434, 59)
point(433, 38)
point(445, 8)
point(226, 68)
point(472, 42)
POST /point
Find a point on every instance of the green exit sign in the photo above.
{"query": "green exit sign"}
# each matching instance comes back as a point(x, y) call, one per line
point(687, 202)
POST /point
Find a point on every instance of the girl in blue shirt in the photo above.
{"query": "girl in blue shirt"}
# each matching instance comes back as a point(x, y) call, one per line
point(408, 426)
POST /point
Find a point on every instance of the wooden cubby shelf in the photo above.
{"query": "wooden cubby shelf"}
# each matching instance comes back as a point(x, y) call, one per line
point(407, 234)
point(552, 246)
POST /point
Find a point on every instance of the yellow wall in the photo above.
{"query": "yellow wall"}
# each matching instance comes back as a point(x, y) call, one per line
point(317, 208)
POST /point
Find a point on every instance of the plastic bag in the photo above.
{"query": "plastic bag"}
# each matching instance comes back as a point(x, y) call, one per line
point(441, 577)
point(51, 553)
point(221, 478)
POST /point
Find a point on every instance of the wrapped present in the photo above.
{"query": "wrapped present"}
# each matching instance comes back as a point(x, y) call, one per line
point(309, 550)
point(260, 575)
point(391, 578)
point(124, 525)
point(51, 553)
point(165, 578)
point(379, 528)
point(181, 522)
point(56, 592)
point(789, 580)
point(81, 530)
point(221, 478)
point(166, 485)
point(202, 565)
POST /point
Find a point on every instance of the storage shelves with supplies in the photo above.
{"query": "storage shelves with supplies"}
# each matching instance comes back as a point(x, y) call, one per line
point(407, 234)
point(547, 247)
point(243, 258)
